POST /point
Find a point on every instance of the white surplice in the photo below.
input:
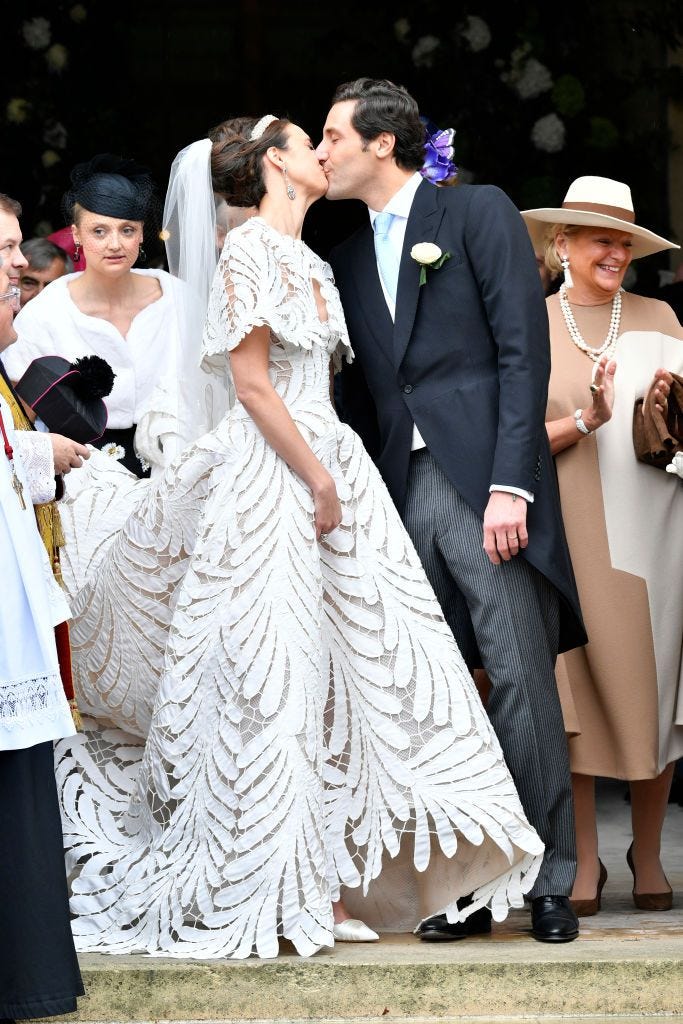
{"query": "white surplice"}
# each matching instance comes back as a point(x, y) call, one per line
point(33, 707)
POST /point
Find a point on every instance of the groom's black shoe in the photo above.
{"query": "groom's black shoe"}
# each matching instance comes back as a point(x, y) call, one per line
point(553, 919)
point(437, 929)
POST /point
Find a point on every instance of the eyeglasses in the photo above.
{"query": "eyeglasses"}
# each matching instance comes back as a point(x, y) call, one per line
point(12, 296)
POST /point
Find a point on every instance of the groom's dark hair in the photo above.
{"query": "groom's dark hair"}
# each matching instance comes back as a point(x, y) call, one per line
point(382, 106)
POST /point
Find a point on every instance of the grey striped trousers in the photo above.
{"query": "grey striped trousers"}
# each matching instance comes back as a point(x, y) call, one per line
point(512, 612)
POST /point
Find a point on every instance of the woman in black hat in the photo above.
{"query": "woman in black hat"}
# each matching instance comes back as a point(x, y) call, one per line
point(112, 309)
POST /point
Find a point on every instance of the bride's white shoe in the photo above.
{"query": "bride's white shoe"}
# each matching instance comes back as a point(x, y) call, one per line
point(353, 930)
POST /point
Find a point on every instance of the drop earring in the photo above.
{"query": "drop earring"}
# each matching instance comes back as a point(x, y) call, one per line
point(568, 280)
point(291, 194)
point(142, 255)
point(77, 252)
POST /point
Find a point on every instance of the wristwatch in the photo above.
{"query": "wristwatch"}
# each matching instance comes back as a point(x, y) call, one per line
point(578, 416)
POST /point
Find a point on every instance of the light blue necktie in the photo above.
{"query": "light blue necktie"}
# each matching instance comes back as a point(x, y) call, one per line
point(387, 258)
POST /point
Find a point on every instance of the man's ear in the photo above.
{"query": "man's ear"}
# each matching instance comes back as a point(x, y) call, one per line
point(384, 145)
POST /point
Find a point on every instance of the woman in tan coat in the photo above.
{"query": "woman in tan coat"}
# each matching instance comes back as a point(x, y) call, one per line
point(622, 694)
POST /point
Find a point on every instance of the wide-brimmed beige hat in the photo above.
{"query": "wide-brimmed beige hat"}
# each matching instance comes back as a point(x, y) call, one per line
point(602, 202)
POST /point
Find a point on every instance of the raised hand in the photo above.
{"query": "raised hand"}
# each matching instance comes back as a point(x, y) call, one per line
point(602, 390)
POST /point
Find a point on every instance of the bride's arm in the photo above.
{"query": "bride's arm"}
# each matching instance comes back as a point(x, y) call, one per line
point(249, 366)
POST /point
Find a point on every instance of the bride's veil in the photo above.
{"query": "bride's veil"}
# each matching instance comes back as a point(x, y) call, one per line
point(195, 400)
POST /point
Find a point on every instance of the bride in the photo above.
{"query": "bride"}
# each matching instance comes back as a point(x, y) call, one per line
point(282, 732)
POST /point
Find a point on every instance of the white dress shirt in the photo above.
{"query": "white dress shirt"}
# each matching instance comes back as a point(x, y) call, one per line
point(399, 206)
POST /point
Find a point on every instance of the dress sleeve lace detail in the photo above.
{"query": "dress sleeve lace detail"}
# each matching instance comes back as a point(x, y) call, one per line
point(38, 461)
point(265, 279)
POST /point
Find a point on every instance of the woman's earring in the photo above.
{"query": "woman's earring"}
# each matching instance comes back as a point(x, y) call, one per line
point(291, 194)
point(77, 252)
point(142, 255)
point(568, 280)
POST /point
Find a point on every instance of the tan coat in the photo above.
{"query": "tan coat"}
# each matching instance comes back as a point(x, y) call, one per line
point(621, 694)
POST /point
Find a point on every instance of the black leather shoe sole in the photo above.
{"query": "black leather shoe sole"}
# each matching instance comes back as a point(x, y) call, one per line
point(545, 937)
point(437, 929)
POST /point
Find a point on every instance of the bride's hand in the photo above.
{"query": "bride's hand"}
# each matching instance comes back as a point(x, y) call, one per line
point(328, 512)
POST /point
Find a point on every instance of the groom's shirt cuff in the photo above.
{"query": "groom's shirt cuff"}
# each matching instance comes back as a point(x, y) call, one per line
point(527, 495)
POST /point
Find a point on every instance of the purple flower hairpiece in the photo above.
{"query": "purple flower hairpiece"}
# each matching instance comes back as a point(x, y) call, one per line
point(438, 164)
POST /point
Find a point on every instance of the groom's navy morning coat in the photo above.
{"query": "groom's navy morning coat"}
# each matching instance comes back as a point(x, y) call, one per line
point(467, 361)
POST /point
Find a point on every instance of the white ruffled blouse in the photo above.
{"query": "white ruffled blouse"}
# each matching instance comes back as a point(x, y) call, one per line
point(53, 325)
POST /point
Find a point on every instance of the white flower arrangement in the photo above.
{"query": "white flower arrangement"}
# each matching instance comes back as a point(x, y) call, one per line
point(57, 57)
point(548, 134)
point(423, 51)
point(476, 33)
point(527, 76)
point(37, 33)
point(535, 79)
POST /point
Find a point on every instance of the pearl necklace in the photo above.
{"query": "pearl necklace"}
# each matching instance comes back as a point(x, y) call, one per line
point(609, 344)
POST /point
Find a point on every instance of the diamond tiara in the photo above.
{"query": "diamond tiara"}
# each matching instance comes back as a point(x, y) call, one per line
point(260, 126)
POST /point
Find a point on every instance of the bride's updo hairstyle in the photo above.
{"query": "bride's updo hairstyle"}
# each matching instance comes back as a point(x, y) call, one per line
point(237, 160)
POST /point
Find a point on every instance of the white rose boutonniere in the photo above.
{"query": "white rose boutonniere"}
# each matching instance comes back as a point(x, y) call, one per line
point(429, 256)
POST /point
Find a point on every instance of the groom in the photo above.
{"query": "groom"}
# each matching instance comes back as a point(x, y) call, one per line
point(448, 392)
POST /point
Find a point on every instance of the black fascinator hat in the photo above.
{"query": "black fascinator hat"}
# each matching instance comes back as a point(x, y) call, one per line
point(68, 396)
point(111, 186)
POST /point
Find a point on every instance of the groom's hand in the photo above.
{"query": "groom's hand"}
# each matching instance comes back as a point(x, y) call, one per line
point(504, 526)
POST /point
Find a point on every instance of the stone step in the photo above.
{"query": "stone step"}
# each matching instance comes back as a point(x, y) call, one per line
point(623, 964)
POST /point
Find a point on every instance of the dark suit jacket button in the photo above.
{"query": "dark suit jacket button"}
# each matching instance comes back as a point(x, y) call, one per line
point(407, 389)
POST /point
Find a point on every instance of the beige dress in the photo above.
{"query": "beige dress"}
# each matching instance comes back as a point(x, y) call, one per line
point(622, 694)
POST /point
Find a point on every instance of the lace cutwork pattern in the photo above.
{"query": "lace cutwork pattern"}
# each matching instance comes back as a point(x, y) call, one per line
point(271, 717)
point(36, 457)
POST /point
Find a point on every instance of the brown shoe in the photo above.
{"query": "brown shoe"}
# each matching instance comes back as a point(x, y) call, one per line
point(648, 900)
point(587, 908)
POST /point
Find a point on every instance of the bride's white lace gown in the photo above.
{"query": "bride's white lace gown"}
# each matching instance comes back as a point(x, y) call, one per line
point(270, 718)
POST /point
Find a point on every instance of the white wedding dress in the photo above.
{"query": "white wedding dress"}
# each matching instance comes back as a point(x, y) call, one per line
point(271, 719)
